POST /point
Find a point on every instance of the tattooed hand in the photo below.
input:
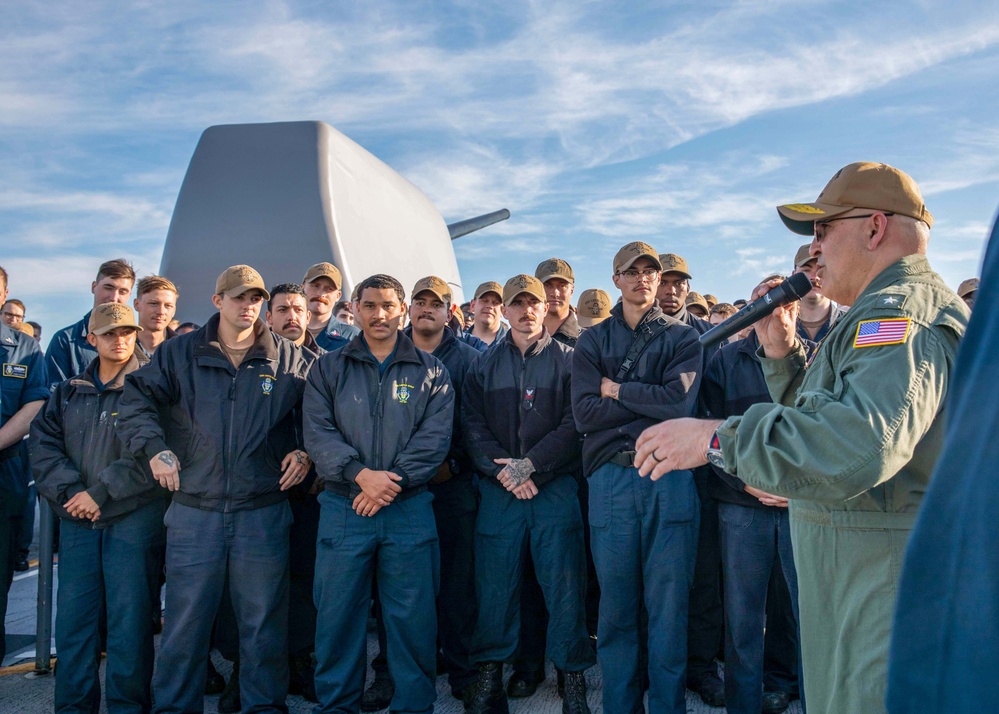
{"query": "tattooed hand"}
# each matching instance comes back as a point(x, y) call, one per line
point(166, 470)
point(515, 472)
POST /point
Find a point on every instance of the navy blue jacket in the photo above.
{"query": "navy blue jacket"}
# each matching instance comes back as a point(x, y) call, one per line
point(732, 383)
point(662, 384)
point(22, 380)
point(230, 428)
point(336, 335)
point(944, 653)
point(457, 357)
point(356, 418)
point(75, 447)
point(69, 353)
point(519, 406)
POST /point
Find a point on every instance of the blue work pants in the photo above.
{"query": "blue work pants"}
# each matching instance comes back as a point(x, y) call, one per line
point(201, 546)
point(751, 539)
point(644, 539)
point(550, 525)
point(399, 543)
point(117, 566)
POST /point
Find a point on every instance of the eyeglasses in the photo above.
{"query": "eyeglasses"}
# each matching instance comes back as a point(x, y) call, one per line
point(12, 315)
point(632, 275)
point(845, 218)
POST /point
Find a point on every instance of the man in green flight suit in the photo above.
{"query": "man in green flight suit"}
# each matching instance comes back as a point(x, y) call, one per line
point(854, 432)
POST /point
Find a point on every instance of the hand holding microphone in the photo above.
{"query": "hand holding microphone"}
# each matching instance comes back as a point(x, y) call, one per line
point(774, 312)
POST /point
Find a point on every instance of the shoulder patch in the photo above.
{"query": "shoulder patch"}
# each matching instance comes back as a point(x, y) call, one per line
point(873, 333)
point(894, 300)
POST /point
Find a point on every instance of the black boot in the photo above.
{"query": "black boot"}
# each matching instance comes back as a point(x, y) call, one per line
point(524, 684)
point(574, 701)
point(302, 677)
point(214, 682)
point(229, 699)
point(379, 695)
point(488, 696)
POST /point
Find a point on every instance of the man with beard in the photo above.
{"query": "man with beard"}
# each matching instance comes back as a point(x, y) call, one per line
point(322, 287)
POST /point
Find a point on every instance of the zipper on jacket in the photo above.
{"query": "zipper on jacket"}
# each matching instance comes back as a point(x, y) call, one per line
point(228, 458)
point(520, 398)
point(380, 409)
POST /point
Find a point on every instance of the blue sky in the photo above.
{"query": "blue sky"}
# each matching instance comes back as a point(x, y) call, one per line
point(596, 123)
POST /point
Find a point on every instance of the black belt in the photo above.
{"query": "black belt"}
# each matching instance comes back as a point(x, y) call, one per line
point(624, 458)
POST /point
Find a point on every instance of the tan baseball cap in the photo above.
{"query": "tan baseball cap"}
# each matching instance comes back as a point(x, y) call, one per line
point(490, 286)
point(698, 299)
point(803, 256)
point(710, 299)
point(323, 270)
point(861, 185)
point(967, 287)
point(627, 256)
point(238, 279)
point(110, 315)
point(673, 263)
point(594, 306)
point(523, 283)
point(28, 329)
point(435, 285)
point(554, 268)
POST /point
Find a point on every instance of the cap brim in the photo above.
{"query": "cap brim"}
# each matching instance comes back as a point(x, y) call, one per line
point(800, 217)
point(328, 277)
point(684, 273)
point(107, 328)
point(653, 258)
point(240, 289)
point(589, 321)
point(486, 292)
point(444, 298)
point(560, 277)
point(506, 303)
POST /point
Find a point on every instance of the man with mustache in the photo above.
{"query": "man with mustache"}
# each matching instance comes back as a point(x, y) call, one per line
point(322, 284)
point(520, 434)
point(378, 417)
point(632, 370)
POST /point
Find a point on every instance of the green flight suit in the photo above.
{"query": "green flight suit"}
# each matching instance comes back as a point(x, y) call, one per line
point(851, 440)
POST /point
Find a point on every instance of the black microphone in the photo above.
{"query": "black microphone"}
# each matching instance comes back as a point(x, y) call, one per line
point(792, 289)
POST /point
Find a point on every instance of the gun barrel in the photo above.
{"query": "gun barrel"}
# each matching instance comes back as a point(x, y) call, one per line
point(470, 225)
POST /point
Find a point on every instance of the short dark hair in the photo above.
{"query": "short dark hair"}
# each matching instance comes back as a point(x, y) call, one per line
point(382, 282)
point(117, 268)
point(187, 325)
point(34, 326)
point(342, 305)
point(740, 303)
point(287, 289)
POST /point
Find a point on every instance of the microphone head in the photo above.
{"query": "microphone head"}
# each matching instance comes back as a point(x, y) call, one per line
point(797, 286)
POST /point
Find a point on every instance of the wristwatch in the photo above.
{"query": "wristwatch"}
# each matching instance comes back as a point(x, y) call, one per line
point(714, 454)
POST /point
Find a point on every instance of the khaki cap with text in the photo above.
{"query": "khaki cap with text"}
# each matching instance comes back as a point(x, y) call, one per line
point(627, 256)
point(523, 283)
point(864, 184)
point(238, 279)
point(698, 299)
point(109, 316)
point(554, 268)
point(435, 285)
point(594, 306)
point(323, 270)
point(673, 263)
point(490, 286)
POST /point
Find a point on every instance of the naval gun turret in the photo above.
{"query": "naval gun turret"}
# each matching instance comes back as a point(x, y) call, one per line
point(283, 196)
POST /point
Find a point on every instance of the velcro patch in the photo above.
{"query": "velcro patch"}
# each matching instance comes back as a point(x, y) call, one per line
point(19, 371)
point(873, 333)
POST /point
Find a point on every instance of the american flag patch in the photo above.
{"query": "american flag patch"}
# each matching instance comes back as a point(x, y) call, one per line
point(871, 333)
